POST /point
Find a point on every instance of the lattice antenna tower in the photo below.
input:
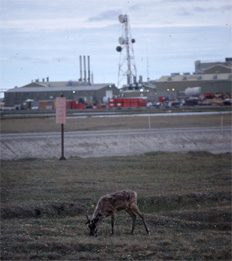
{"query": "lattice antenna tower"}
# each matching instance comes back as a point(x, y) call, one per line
point(126, 67)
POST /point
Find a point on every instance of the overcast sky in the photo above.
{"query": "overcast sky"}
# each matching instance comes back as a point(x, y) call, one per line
point(41, 38)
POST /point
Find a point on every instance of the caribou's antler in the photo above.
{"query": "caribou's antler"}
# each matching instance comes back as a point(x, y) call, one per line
point(88, 220)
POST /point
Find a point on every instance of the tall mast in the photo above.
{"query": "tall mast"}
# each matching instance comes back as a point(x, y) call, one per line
point(127, 67)
point(127, 52)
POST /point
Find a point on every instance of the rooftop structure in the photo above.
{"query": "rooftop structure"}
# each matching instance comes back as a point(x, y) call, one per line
point(207, 66)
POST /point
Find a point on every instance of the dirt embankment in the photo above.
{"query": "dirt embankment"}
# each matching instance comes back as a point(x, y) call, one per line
point(168, 210)
point(43, 209)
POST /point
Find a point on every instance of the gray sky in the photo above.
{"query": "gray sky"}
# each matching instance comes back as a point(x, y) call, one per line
point(41, 38)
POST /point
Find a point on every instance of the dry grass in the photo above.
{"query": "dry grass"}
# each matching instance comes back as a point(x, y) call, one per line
point(120, 123)
point(186, 199)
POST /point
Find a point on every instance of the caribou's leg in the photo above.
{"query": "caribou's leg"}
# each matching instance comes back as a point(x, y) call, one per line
point(112, 223)
point(132, 214)
point(136, 210)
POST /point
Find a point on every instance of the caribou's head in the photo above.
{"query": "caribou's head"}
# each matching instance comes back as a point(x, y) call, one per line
point(93, 224)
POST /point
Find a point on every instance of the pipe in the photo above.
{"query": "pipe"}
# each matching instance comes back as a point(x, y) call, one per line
point(84, 69)
point(80, 69)
point(134, 79)
point(88, 69)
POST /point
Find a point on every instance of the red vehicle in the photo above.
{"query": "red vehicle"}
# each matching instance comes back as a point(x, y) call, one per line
point(162, 99)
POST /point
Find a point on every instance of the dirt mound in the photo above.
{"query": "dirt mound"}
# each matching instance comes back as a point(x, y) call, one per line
point(42, 209)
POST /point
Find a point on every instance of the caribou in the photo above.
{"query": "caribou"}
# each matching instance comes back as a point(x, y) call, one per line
point(110, 204)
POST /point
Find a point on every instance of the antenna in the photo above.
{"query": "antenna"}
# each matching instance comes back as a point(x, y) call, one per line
point(148, 78)
point(126, 68)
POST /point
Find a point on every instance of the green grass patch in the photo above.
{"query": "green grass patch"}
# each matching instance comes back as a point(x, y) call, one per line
point(186, 199)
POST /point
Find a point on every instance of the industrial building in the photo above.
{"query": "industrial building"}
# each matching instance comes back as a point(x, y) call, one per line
point(142, 89)
point(214, 66)
point(47, 90)
point(211, 77)
point(82, 90)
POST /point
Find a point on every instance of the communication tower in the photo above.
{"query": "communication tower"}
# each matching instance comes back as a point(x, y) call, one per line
point(126, 67)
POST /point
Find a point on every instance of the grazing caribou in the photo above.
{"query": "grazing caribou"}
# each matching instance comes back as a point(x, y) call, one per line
point(110, 204)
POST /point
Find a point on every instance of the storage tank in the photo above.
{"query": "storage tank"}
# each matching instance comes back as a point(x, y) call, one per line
point(192, 91)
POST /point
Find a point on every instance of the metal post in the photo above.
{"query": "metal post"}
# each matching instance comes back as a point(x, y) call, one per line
point(62, 138)
point(62, 143)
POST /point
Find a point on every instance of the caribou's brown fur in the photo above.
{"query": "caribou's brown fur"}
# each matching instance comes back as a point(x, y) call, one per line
point(110, 204)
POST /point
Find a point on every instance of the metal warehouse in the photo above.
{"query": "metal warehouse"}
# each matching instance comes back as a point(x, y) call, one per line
point(211, 77)
point(175, 85)
point(36, 91)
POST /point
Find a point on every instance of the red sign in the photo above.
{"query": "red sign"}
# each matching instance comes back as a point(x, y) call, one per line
point(61, 110)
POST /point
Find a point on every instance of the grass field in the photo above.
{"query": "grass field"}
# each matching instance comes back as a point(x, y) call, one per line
point(23, 125)
point(186, 199)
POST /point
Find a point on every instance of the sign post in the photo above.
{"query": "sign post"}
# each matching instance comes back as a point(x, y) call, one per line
point(61, 119)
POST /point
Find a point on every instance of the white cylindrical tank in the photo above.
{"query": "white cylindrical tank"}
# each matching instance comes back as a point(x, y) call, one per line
point(192, 91)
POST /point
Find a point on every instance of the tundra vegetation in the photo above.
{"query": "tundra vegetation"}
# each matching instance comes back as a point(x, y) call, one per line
point(24, 123)
point(186, 199)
